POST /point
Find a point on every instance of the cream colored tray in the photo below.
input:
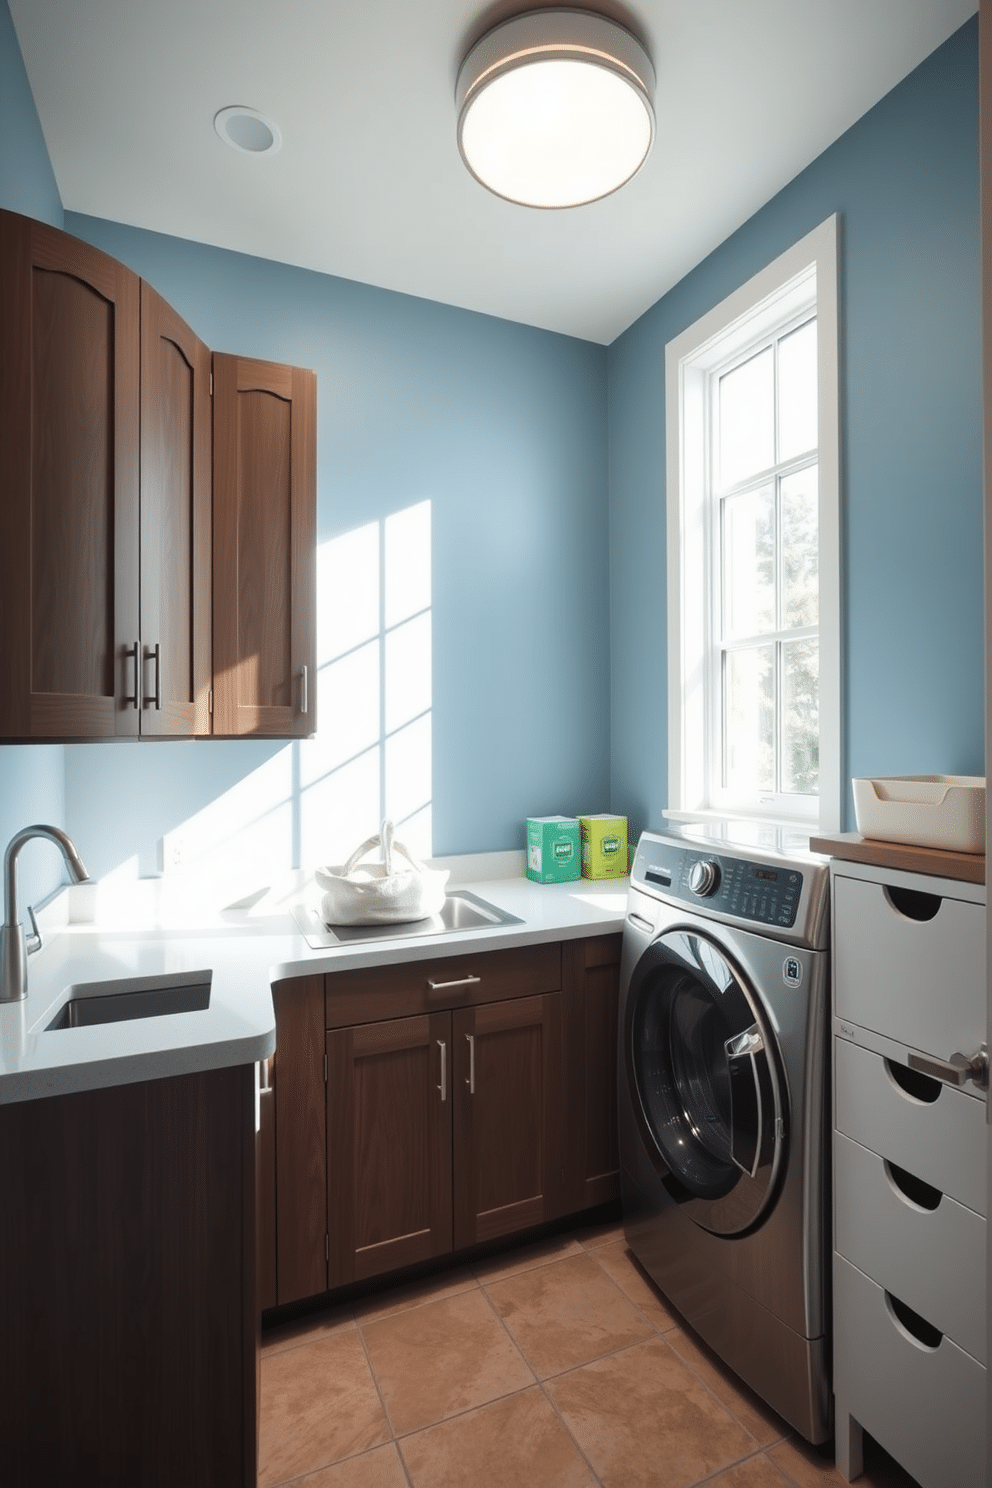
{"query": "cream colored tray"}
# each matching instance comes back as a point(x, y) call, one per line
point(940, 811)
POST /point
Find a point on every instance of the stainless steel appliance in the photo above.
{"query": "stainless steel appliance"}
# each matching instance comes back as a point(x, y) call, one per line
point(723, 1120)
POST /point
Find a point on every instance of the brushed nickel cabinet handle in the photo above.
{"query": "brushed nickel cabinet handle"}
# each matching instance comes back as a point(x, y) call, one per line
point(134, 698)
point(443, 1087)
point(158, 675)
point(467, 981)
point(303, 690)
point(957, 1070)
point(470, 1082)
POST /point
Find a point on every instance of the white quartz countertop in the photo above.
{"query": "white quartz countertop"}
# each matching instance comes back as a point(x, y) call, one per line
point(245, 947)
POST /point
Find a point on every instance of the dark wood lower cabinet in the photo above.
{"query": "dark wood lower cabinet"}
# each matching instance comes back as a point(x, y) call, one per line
point(300, 1137)
point(475, 1099)
point(388, 1145)
point(128, 1308)
point(591, 988)
point(508, 1115)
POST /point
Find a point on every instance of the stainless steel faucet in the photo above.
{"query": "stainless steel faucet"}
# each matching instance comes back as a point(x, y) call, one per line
point(14, 949)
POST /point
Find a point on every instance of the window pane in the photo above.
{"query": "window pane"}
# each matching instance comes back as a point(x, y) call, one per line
point(749, 563)
point(747, 423)
point(800, 549)
point(797, 431)
point(801, 718)
point(749, 711)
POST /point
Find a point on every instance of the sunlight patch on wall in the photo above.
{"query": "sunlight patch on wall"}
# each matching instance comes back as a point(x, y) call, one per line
point(314, 801)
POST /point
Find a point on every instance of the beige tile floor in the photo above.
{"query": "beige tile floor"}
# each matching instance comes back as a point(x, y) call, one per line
point(554, 1366)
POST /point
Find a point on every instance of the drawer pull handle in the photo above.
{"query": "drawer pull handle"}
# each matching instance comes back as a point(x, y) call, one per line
point(908, 1186)
point(470, 1082)
point(957, 1070)
point(918, 1087)
point(466, 981)
point(916, 1327)
point(443, 1087)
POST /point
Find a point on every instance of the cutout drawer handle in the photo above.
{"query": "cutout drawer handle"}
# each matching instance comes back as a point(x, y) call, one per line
point(957, 1070)
point(913, 1326)
point(912, 1190)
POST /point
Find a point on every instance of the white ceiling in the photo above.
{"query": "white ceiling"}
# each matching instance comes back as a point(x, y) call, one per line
point(369, 183)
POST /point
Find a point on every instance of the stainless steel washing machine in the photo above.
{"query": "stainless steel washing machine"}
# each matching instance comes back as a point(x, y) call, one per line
point(723, 1110)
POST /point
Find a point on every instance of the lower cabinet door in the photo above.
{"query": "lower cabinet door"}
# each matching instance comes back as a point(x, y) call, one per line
point(389, 1102)
point(508, 1115)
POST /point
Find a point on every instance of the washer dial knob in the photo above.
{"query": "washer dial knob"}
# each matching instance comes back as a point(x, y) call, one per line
point(704, 877)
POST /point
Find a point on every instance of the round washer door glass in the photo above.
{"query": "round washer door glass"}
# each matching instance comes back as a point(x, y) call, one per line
point(704, 1069)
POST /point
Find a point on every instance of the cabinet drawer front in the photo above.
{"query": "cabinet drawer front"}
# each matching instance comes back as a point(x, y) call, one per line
point(943, 1142)
point(925, 1406)
point(919, 981)
point(412, 987)
point(933, 1259)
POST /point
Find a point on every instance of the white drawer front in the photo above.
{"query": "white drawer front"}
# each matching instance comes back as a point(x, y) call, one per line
point(925, 1406)
point(933, 1259)
point(919, 981)
point(942, 1142)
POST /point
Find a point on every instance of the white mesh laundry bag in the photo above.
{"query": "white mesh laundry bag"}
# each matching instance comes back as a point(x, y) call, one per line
point(380, 893)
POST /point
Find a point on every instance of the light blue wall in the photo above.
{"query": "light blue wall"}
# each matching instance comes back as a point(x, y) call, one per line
point(27, 181)
point(32, 778)
point(503, 429)
point(904, 180)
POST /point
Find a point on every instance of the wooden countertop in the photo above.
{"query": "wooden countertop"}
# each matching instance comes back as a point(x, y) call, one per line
point(853, 848)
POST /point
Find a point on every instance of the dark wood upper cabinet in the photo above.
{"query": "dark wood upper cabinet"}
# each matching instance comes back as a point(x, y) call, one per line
point(69, 475)
point(176, 476)
point(264, 548)
point(116, 610)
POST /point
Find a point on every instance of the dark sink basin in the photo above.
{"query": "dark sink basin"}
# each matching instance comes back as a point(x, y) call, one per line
point(123, 998)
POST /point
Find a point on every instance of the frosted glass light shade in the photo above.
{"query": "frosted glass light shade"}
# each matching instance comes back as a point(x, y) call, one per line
point(555, 108)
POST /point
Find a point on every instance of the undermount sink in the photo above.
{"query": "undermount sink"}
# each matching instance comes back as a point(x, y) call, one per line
point(120, 999)
point(461, 910)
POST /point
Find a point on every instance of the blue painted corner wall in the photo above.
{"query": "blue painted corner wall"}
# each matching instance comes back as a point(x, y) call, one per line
point(904, 181)
point(543, 461)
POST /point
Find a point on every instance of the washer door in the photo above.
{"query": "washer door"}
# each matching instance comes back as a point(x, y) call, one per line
point(704, 1069)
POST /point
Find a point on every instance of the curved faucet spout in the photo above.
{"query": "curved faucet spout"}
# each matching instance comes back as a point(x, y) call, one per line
point(13, 951)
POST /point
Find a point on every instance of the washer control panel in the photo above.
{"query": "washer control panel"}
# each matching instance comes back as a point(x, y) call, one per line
point(767, 893)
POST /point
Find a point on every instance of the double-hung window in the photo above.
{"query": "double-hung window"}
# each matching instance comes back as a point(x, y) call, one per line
point(753, 549)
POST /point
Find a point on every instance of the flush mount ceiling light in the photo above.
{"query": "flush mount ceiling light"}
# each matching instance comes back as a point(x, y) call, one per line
point(247, 130)
point(555, 108)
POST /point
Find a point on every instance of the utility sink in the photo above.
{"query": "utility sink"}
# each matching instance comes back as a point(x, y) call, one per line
point(462, 910)
point(119, 999)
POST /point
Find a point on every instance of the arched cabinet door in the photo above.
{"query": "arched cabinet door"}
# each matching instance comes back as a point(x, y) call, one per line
point(176, 495)
point(264, 548)
point(69, 470)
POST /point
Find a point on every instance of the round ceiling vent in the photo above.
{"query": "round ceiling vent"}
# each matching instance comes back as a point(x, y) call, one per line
point(247, 130)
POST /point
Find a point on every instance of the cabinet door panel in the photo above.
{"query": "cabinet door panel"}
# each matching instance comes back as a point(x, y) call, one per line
point(508, 1116)
point(592, 989)
point(389, 1145)
point(69, 383)
point(175, 523)
point(264, 548)
point(301, 1209)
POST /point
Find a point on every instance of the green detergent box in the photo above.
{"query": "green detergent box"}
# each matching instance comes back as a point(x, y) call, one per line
point(553, 849)
point(604, 846)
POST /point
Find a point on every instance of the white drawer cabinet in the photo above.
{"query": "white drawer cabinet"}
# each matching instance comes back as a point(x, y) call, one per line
point(909, 1173)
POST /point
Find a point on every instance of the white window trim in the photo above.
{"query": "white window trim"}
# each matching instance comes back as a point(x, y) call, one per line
point(771, 295)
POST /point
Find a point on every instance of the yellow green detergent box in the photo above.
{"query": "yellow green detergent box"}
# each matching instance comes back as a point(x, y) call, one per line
point(553, 849)
point(604, 846)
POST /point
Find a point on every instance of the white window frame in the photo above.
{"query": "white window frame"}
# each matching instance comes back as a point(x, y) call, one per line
point(805, 274)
